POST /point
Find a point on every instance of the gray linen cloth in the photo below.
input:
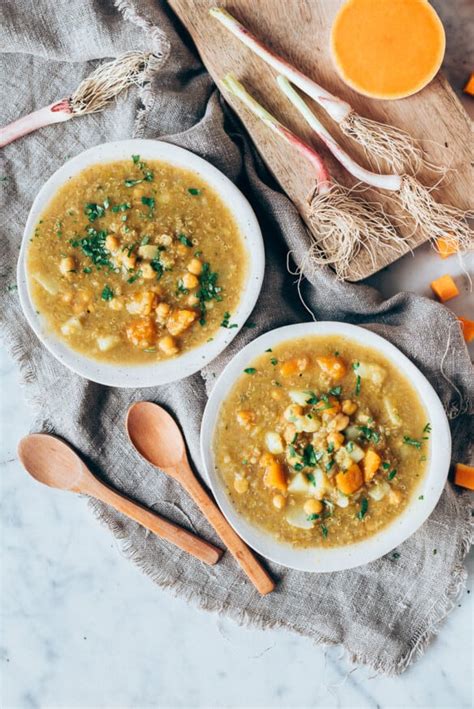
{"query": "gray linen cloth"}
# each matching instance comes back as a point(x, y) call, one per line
point(384, 613)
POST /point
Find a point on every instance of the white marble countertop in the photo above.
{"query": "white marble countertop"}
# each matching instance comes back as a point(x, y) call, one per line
point(82, 627)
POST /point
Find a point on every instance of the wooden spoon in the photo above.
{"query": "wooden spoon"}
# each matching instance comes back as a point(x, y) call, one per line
point(52, 462)
point(157, 438)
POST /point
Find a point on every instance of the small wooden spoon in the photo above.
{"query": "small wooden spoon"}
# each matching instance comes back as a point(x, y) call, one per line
point(157, 438)
point(51, 461)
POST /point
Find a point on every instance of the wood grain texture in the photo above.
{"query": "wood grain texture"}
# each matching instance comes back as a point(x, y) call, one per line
point(299, 31)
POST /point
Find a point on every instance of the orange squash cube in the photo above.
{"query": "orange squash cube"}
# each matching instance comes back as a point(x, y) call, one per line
point(444, 288)
point(370, 464)
point(274, 475)
point(467, 328)
point(464, 475)
point(334, 367)
point(446, 246)
point(469, 86)
point(351, 480)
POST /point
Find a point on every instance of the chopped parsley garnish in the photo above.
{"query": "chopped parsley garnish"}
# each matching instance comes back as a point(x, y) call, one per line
point(250, 370)
point(312, 517)
point(274, 361)
point(324, 531)
point(194, 191)
point(135, 277)
point(145, 241)
point(208, 290)
point(107, 293)
point(226, 322)
point(386, 465)
point(93, 246)
point(136, 159)
point(412, 442)
point(392, 474)
point(421, 497)
point(364, 506)
point(269, 350)
point(147, 174)
point(330, 447)
point(311, 478)
point(313, 399)
point(309, 456)
point(357, 388)
point(298, 466)
point(181, 290)
point(329, 465)
point(121, 207)
point(427, 428)
point(149, 202)
point(369, 434)
point(94, 211)
point(355, 365)
point(335, 391)
point(87, 269)
point(184, 240)
point(158, 267)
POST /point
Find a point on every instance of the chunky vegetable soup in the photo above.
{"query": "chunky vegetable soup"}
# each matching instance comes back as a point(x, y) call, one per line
point(321, 441)
point(135, 261)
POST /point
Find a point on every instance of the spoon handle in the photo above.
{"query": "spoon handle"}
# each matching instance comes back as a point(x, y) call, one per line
point(239, 550)
point(187, 541)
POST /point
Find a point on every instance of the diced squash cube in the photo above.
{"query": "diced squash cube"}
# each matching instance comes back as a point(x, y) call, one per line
point(351, 480)
point(274, 475)
point(294, 366)
point(370, 464)
point(334, 367)
point(142, 303)
point(467, 328)
point(446, 246)
point(299, 485)
point(274, 442)
point(245, 418)
point(464, 475)
point(444, 288)
point(142, 332)
point(469, 86)
point(180, 320)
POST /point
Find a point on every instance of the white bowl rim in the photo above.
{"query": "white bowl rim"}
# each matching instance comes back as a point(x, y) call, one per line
point(167, 371)
point(424, 498)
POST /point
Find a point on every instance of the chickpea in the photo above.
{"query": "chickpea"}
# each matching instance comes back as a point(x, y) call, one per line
point(277, 395)
point(241, 485)
point(195, 266)
point(338, 423)
point(66, 265)
point(162, 312)
point(293, 411)
point(313, 507)
point(279, 502)
point(192, 299)
point(336, 440)
point(112, 243)
point(167, 344)
point(190, 281)
point(147, 271)
point(349, 407)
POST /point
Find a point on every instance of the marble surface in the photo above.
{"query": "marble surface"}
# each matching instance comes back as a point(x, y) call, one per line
point(82, 627)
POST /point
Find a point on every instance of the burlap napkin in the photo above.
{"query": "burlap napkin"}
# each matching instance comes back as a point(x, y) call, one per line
point(384, 613)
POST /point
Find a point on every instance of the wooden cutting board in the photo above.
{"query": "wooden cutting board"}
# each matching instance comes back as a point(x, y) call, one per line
point(299, 30)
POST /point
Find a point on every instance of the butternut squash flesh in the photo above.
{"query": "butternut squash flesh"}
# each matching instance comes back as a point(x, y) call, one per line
point(387, 49)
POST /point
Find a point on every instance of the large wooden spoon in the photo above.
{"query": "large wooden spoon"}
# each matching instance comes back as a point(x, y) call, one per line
point(51, 461)
point(157, 438)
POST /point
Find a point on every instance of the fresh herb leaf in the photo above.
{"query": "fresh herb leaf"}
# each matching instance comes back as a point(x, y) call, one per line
point(364, 506)
point(313, 399)
point(194, 191)
point(121, 207)
point(94, 211)
point(107, 293)
point(309, 456)
point(149, 202)
point(135, 277)
point(274, 361)
point(184, 240)
point(208, 290)
point(226, 322)
point(158, 267)
point(136, 159)
point(329, 465)
point(269, 350)
point(93, 246)
point(324, 531)
point(386, 465)
point(369, 434)
point(311, 478)
point(145, 241)
point(298, 466)
point(335, 391)
point(412, 442)
point(357, 387)
point(392, 474)
point(312, 517)
point(250, 370)
point(87, 269)
point(427, 428)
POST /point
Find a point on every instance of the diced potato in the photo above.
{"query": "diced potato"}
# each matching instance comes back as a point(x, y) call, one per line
point(378, 491)
point(370, 464)
point(67, 265)
point(108, 342)
point(180, 320)
point(352, 433)
point(148, 251)
point(49, 285)
point(392, 412)
point(356, 453)
point(299, 485)
point(321, 484)
point(142, 332)
point(340, 499)
point(274, 442)
point(351, 480)
point(373, 372)
point(279, 501)
point(71, 326)
point(142, 303)
point(245, 418)
point(299, 397)
point(275, 476)
point(297, 517)
point(167, 345)
point(334, 367)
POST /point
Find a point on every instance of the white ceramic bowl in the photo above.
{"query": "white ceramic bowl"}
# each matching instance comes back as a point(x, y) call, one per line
point(416, 512)
point(189, 362)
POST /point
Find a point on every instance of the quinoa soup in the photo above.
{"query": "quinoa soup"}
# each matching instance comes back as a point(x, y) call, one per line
point(136, 261)
point(321, 441)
